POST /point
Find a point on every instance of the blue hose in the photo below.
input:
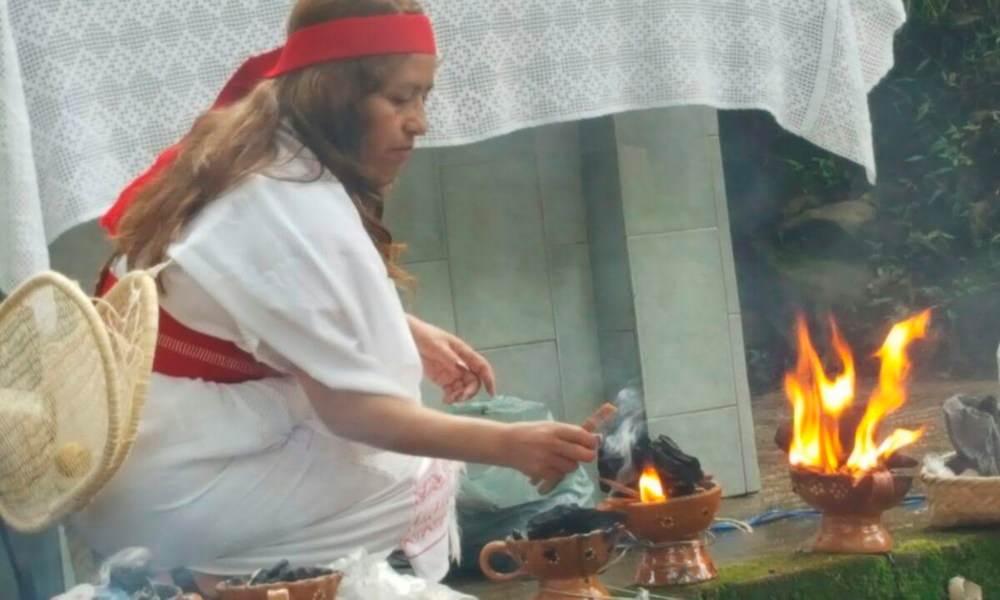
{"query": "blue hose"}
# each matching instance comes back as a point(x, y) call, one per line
point(777, 514)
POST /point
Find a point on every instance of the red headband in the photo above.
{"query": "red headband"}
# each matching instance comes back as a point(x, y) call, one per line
point(353, 38)
point(340, 39)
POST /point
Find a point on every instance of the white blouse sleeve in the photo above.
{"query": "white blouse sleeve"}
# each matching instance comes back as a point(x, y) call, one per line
point(293, 265)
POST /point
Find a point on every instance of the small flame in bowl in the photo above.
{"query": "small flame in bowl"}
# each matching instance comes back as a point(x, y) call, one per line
point(650, 487)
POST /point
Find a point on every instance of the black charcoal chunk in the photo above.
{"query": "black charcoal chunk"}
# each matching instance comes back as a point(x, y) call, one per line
point(280, 573)
point(303, 573)
point(679, 473)
point(571, 520)
point(273, 575)
point(129, 578)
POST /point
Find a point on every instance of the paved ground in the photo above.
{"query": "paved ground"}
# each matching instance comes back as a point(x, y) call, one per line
point(923, 408)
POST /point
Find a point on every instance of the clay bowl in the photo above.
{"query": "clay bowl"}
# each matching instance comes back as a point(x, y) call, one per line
point(852, 508)
point(564, 566)
point(676, 519)
point(673, 552)
point(317, 588)
point(173, 592)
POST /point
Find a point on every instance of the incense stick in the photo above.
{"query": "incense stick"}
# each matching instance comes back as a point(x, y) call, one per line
point(601, 417)
point(619, 487)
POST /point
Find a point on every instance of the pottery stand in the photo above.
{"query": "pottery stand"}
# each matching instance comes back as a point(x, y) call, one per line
point(852, 508)
point(671, 534)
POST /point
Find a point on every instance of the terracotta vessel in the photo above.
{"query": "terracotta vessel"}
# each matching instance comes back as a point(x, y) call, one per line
point(318, 588)
point(852, 508)
point(173, 592)
point(671, 534)
point(566, 567)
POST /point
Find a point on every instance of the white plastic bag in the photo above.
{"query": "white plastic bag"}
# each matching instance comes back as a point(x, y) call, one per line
point(83, 591)
point(368, 578)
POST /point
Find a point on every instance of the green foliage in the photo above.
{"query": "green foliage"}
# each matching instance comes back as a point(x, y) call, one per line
point(933, 238)
point(938, 114)
point(821, 173)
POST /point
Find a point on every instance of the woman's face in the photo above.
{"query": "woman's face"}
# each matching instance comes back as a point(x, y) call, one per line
point(396, 115)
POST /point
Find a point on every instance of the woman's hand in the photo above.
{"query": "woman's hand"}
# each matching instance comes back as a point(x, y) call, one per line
point(541, 450)
point(451, 363)
point(549, 451)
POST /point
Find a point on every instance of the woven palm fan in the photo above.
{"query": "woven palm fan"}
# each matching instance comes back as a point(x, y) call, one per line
point(73, 378)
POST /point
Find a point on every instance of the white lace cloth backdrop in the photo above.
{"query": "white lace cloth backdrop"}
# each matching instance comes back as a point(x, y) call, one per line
point(91, 91)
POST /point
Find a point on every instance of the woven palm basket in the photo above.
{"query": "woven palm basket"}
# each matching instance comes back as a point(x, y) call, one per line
point(73, 377)
point(959, 501)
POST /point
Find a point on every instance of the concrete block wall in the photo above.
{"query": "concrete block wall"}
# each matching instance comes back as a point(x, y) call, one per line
point(686, 304)
point(497, 236)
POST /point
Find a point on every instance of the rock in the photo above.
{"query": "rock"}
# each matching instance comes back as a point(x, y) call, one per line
point(960, 588)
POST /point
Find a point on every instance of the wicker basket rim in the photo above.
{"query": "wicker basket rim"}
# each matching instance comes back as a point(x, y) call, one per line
point(934, 479)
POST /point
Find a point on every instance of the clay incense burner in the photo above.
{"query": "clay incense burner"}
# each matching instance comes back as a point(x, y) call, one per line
point(852, 507)
point(670, 533)
point(566, 567)
point(317, 588)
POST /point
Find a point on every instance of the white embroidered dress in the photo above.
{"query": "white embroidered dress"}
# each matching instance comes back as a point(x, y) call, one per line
point(228, 478)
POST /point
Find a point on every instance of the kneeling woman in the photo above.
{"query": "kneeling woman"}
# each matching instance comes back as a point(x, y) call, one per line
point(284, 417)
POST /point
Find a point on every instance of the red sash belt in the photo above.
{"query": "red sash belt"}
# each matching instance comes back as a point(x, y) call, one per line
point(184, 352)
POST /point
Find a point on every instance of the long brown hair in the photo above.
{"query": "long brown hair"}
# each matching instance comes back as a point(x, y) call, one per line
point(322, 104)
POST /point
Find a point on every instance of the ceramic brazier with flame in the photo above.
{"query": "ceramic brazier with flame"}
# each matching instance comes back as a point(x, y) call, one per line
point(836, 464)
point(668, 510)
point(671, 534)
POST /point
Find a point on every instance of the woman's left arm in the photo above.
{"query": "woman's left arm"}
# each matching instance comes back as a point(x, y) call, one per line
point(451, 363)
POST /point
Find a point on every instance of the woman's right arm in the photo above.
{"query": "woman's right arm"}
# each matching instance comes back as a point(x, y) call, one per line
point(541, 450)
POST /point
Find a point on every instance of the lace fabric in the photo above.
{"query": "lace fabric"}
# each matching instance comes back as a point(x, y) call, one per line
point(90, 92)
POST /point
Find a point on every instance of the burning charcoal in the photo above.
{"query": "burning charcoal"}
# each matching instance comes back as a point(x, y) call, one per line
point(847, 426)
point(677, 470)
point(571, 520)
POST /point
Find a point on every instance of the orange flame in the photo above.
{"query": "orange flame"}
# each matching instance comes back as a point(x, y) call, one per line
point(650, 487)
point(817, 401)
point(889, 397)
